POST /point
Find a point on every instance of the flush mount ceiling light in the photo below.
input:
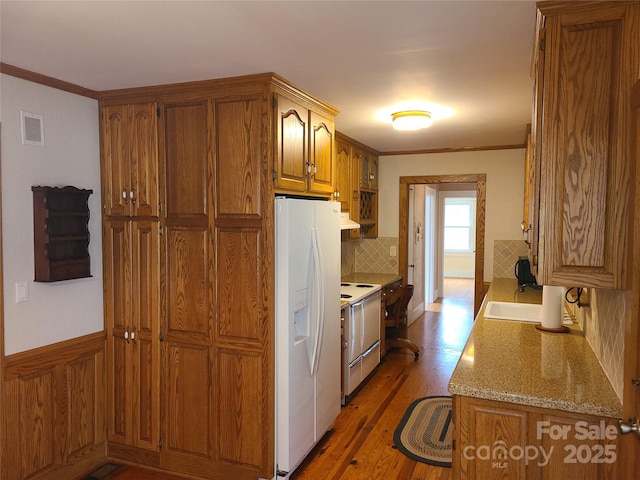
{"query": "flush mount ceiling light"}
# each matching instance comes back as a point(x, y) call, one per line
point(411, 119)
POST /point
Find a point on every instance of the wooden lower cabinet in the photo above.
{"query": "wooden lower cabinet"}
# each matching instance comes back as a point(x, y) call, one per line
point(132, 315)
point(498, 440)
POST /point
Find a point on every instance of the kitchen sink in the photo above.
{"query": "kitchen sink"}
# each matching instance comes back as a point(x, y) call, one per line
point(523, 312)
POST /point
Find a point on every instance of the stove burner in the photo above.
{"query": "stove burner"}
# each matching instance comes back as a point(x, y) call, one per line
point(344, 295)
point(343, 284)
point(364, 285)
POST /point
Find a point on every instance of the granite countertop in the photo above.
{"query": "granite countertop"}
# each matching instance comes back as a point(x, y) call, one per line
point(514, 362)
point(375, 278)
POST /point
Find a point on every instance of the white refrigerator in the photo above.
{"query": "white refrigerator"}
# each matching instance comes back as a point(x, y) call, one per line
point(307, 311)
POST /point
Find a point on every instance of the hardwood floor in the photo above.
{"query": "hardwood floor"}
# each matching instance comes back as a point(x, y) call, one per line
point(360, 446)
point(458, 287)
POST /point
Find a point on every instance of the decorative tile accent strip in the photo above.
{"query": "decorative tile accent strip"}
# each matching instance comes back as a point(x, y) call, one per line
point(505, 255)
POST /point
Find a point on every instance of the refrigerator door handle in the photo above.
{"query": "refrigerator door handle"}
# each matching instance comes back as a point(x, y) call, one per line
point(319, 298)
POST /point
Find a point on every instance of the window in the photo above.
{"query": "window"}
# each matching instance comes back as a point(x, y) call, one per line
point(459, 224)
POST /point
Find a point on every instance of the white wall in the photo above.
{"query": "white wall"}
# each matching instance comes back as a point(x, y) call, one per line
point(504, 196)
point(71, 156)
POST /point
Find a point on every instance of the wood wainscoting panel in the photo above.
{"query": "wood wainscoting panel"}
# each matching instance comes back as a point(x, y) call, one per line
point(57, 398)
point(31, 428)
point(86, 415)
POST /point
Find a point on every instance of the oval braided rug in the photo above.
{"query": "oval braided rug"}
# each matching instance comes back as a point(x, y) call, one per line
point(424, 433)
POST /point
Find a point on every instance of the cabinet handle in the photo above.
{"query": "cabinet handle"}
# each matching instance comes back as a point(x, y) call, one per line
point(126, 333)
point(631, 426)
point(133, 196)
point(124, 195)
point(133, 334)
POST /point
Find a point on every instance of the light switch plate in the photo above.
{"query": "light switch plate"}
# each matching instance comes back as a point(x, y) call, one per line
point(22, 292)
point(392, 250)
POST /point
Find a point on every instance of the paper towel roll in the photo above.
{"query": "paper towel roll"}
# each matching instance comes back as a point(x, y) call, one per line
point(552, 306)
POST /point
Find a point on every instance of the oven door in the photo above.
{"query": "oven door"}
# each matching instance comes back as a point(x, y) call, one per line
point(371, 321)
point(355, 332)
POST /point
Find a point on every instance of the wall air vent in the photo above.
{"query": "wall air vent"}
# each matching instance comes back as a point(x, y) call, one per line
point(32, 128)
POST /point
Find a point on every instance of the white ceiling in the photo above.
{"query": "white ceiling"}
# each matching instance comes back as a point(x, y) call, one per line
point(468, 59)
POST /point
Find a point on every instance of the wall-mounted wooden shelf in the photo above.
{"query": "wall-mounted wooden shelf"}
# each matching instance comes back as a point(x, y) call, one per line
point(61, 233)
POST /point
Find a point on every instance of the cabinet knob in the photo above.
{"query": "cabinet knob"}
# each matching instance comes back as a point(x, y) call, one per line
point(126, 333)
point(630, 426)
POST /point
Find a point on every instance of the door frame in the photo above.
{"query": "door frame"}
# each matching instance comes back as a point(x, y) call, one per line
point(415, 249)
point(480, 181)
point(629, 445)
point(430, 244)
point(2, 381)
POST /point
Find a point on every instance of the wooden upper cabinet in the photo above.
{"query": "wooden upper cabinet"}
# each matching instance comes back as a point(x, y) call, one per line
point(357, 166)
point(591, 61)
point(292, 161)
point(373, 172)
point(321, 155)
point(368, 170)
point(343, 175)
point(304, 161)
point(130, 160)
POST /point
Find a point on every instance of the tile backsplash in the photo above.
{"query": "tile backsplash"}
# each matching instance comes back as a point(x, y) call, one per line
point(505, 255)
point(370, 256)
point(603, 326)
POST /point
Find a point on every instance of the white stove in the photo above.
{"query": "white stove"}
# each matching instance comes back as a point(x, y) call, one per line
point(354, 292)
point(361, 333)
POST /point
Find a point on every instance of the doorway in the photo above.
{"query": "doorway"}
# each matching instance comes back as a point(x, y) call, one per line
point(456, 227)
point(478, 183)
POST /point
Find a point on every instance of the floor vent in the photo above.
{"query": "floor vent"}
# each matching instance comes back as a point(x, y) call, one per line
point(103, 472)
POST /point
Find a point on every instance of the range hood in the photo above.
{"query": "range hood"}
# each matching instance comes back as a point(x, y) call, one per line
point(346, 223)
